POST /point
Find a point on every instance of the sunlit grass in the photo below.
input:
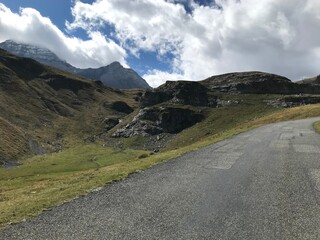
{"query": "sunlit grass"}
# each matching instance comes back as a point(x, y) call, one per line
point(317, 126)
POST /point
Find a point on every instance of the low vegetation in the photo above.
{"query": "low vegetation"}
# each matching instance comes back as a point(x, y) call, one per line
point(317, 127)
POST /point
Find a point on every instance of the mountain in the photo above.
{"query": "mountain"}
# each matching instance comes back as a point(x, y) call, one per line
point(113, 75)
point(116, 76)
point(43, 109)
point(39, 54)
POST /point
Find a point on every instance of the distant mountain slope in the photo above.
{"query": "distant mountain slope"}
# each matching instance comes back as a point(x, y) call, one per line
point(113, 75)
point(313, 80)
point(42, 109)
point(39, 54)
point(257, 82)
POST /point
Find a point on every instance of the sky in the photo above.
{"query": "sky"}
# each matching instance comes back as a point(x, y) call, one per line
point(173, 39)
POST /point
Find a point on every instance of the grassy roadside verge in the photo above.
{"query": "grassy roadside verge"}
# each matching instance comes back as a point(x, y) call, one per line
point(47, 181)
point(316, 126)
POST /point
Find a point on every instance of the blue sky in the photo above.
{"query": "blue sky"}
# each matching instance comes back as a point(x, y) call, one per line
point(57, 10)
point(173, 39)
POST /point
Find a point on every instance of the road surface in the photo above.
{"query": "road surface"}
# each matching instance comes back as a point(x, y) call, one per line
point(262, 184)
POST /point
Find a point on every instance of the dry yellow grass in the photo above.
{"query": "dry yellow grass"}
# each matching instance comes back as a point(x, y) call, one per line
point(12, 141)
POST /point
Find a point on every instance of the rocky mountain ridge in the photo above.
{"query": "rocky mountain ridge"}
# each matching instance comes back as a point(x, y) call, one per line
point(39, 54)
point(116, 76)
point(113, 75)
point(258, 83)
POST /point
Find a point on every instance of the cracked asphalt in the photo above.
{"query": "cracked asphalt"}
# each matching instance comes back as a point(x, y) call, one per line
point(262, 184)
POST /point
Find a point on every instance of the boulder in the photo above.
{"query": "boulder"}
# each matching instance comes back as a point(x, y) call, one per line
point(110, 123)
point(157, 120)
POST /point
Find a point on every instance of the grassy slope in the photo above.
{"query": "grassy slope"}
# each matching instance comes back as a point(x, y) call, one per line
point(32, 110)
point(46, 181)
point(12, 141)
point(219, 120)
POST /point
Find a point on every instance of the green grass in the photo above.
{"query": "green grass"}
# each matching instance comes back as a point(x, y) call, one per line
point(43, 182)
point(219, 120)
point(317, 126)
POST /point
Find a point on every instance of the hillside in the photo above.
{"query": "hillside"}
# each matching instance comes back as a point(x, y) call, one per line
point(43, 109)
point(113, 75)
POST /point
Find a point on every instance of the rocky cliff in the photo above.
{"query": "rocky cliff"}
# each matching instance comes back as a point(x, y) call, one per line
point(157, 120)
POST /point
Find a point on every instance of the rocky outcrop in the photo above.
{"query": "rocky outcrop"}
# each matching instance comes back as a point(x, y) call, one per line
point(257, 83)
point(182, 92)
point(110, 123)
point(157, 120)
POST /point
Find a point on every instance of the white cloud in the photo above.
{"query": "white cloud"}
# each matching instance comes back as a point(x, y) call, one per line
point(266, 35)
point(157, 77)
point(28, 26)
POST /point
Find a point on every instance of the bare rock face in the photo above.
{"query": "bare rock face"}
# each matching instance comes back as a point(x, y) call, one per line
point(157, 120)
point(183, 92)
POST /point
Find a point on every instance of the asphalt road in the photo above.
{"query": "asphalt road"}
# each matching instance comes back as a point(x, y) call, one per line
point(262, 184)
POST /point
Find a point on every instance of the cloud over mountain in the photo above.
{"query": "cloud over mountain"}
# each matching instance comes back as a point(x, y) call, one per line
point(198, 40)
point(29, 26)
point(230, 35)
